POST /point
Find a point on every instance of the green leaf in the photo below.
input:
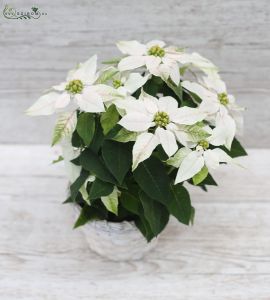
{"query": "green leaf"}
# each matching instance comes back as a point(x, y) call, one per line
point(98, 138)
point(176, 89)
point(153, 86)
point(109, 119)
point(76, 140)
point(113, 61)
point(183, 70)
point(76, 185)
point(209, 180)
point(236, 149)
point(87, 214)
point(91, 162)
point(180, 206)
point(106, 75)
point(144, 228)
point(131, 203)
point(192, 216)
point(196, 133)
point(199, 177)
point(86, 127)
point(152, 178)
point(111, 201)
point(124, 136)
point(64, 127)
point(178, 157)
point(117, 158)
point(60, 158)
point(100, 188)
point(155, 213)
point(68, 200)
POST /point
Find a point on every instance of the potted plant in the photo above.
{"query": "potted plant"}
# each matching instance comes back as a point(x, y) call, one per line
point(134, 135)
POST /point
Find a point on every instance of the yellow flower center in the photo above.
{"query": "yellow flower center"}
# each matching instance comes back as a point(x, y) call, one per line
point(117, 83)
point(204, 144)
point(223, 98)
point(156, 51)
point(74, 86)
point(161, 119)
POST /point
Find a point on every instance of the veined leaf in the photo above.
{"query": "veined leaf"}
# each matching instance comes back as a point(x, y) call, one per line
point(86, 127)
point(124, 136)
point(152, 178)
point(155, 213)
point(106, 75)
point(197, 133)
point(144, 227)
point(87, 214)
point(109, 119)
point(178, 157)
point(77, 184)
point(100, 188)
point(117, 158)
point(64, 127)
point(236, 149)
point(91, 162)
point(131, 203)
point(176, 89)
point(180, 206)
point(111, 201)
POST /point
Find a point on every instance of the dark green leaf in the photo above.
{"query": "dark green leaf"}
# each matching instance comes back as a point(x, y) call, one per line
point(76, 161)
point(68, 200)
point(209, 180)
point(176, 89)
point(91, 162)
point(131, 203)
point(109, 119)
point(155, 213)
point(180, 206)
point(152, 178)
point(144, 228)
point(76, 185)
point(86, 127)
point(236, 149)
point(87, 214)
point(98, 138)
point(117, 158)
point(76, 141)
point(100, 188)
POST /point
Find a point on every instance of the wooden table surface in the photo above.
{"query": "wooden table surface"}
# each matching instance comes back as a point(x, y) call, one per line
point(225, 255)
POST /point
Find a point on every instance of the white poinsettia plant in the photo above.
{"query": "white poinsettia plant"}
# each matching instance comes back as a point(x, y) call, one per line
point(135, 131)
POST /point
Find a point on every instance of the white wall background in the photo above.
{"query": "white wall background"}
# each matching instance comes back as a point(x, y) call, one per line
point(35, 54)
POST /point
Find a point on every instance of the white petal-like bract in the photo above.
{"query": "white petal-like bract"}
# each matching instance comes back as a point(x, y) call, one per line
point(190, 166)
point(143, 148)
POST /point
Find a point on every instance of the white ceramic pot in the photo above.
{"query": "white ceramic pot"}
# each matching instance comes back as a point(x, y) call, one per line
point(116, 241)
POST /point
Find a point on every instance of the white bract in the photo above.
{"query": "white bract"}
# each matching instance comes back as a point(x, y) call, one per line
point(160, 60)
point(126, 84)
point(184, 128)
point(219, 106)
point(197, 159)
point(157, 120)
point(79, 87)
